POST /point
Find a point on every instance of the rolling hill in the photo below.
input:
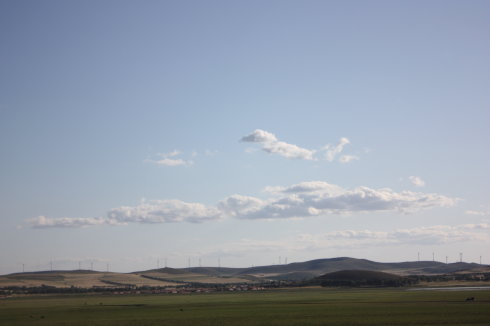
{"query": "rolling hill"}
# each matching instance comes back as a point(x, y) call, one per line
point(314, 268)
point(222, 275)
point(361, 278)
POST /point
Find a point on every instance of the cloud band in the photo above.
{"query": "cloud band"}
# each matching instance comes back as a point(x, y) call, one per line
point(303, 200)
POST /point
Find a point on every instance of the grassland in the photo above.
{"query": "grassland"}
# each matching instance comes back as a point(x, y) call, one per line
point(83, 279)
point(198, 278)
point(300, 306)
point(88, 279)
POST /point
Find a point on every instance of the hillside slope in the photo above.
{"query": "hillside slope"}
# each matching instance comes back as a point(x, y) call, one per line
point(222, 275)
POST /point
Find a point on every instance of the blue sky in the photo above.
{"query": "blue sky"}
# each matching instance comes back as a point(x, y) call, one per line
point(244, 131)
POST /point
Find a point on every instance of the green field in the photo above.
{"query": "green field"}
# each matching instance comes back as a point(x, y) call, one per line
point(311, 306)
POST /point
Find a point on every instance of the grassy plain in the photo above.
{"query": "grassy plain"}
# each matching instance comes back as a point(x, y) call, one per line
point(301, 306)
point(198, 278)
point(87, 279)
point(78, 279)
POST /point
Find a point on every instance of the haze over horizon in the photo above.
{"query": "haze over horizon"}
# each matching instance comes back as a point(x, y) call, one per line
point(240, 133)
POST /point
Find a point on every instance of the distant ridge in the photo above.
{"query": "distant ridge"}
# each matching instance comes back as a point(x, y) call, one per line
point(313, 268)
point(165, 270)
point(299, 271)
point(318, 267)
point(74, 271)
point(357, 275)
point(221, 271)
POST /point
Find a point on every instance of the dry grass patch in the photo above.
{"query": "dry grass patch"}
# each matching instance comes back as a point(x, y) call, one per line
point(197, 278)
point(134, 279)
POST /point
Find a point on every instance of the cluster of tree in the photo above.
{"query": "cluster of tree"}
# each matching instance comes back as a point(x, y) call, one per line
point(163, 279)
point(359, 278)
point(46, 289)
point(402, 281)
point(356, 278)
point(224, 286)
point(452, 277)
point(341, 278)
point(118, 287)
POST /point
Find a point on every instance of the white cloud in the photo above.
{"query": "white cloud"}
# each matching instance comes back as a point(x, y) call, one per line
point(272, 145)
point(288, 150)
point(333, 151)
point(147, 212)
point(306, 199)
point(350, 239)
point(164, 211)
point(321, 198)
point(260, 136)
point(237, 205)
point(431, 235)
point(416, 181)
point(172, 162)
point(308, 187)
point(173, 153)
point(348, 158)
point(69, 222)
point(478, 212)
point(170, 159)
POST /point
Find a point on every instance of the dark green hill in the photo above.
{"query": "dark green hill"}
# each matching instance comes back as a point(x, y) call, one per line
point(300, 271)
point(312, 268)
point(358, 275)
point(215, 271)
point(450, 268)
point(361, 278)
point(317, 266)
point(54, 272)
point(165, 270)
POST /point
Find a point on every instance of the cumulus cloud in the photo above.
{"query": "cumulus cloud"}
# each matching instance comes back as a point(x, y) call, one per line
point(170, 159)
point(348, 158)
point(147, 212)
point(172, 162)
point(302, 200)
point(41, 222)
point(288, 150)
point(307, 187)
point(320, 198)
point(164, 211)
point(333, 151)
point(416, 181)
point(355, 239)
point(260, 136)
point(272, 145)
point(236, 205)
point(431, 235)
point(478, 212)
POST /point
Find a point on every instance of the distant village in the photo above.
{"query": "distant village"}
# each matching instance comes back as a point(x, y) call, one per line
point(323, 272)
point(197, 288)
point(132, 289)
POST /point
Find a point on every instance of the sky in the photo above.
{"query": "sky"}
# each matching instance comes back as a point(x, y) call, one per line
point(138, 134)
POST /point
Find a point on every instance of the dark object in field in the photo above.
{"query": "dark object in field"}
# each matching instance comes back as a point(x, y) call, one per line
point(362, 278)
point(470, 299)
point(181, 309)
point(126, 305)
